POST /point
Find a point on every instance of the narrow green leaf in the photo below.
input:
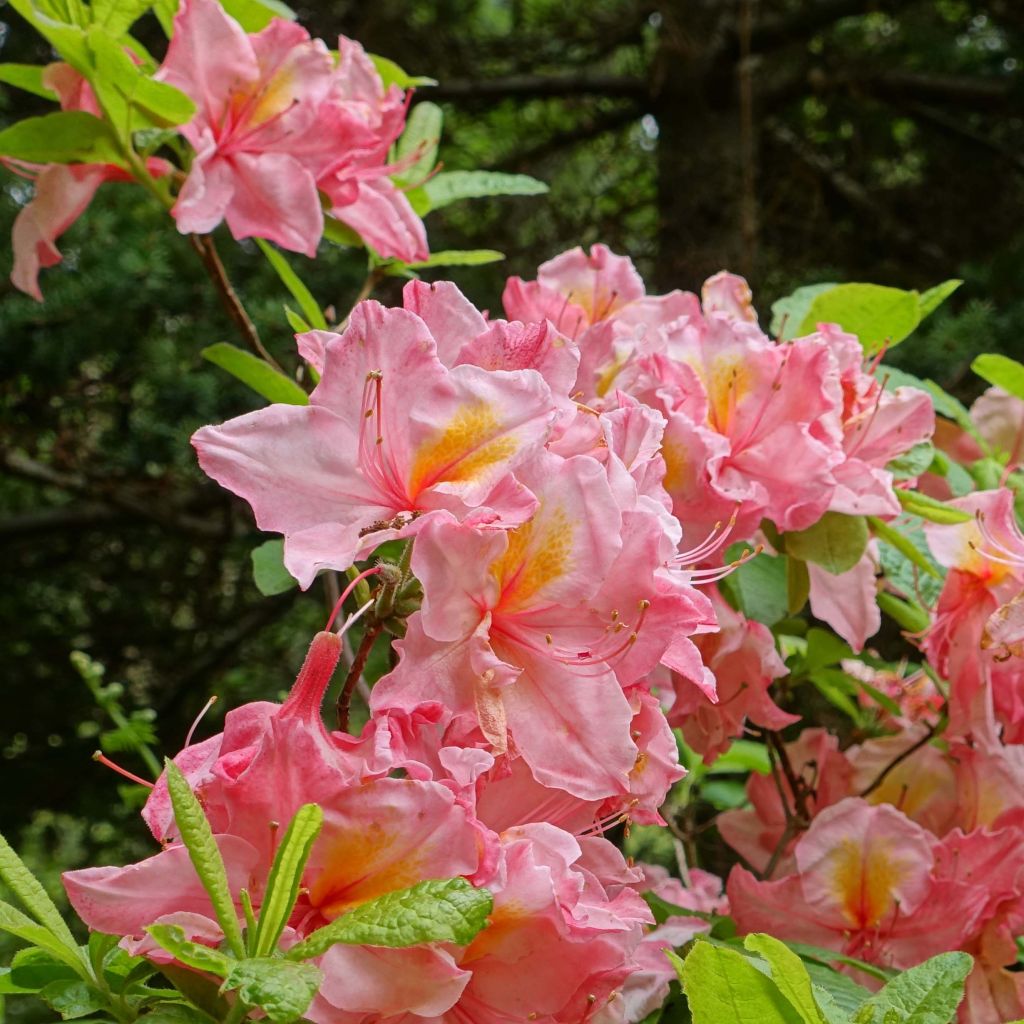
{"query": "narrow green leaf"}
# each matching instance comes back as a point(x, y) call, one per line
point(14, 922)
point(909, 614)
point(28, 77)
point(391, 74)
point(434, 911)
point(268, 571)
point(302, 295)
point(789, 312)
point(450, 186)
point(192, 954)
point(67, 38)
point(1001, 371)
point(836, 542)
point(417, 148)
point(255, 373)
point(295, 322)
point(33, 968)
point(459, 258)
point(742, 756)
point(789, 974)
point(65, 137)
point(878, 315)
point(283, 989)
point(931, 299)
point(203, 851)
point(117, 16)
point(919, 504)
point(926, 994)
point(256, 15)
point(286, 876)
point(722, 985)
point(29, 890)
point(884, 531)
point(341, 234)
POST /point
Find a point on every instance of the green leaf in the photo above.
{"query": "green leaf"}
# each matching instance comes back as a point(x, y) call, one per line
point(192, 954)
point(17, 877)
point(742, 756)
point(15, 923)
point(450, 186)
point(723, 985)
point(846, 995)
point(838, 689)
point(255, 373)
point(341, 234)
point(789, 974)
point(65, 137)
point(891, 536)
point(836, 542)
point(197, 836)
point(295, 322)
point(417, 148)
point(909, 614)
point(283, 989)
point(391, 74)
point(935, 297)
point(926, 994)
point(268, 571)
point(789, 312)
point(66, 37)
point(302, 295)
point(175, 1013)
point(256, 15)
point(1001, 371)
point(28, 77)
point(286, 875)
point(663, 909)
point(73, 998)
point(459, 258)
point(876, 314)
point(798, 585)
point(919, 504)
point(434, 911)
point(824, 649)
point(758, 587)
point(117, 16)
point(33, 968)
point(913, 463)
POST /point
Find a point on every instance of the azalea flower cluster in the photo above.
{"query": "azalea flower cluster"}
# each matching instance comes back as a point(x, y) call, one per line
point(285, 134)
point(563, 485)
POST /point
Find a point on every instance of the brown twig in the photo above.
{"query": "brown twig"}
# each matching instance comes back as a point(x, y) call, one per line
point(355, 673)
point(898, 759)
point(207, 251)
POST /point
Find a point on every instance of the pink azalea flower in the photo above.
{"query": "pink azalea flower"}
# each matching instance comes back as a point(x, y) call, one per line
point(370, 459)
point(742, 657)
point(276, 122)
point(847, 601)
point(999, 418)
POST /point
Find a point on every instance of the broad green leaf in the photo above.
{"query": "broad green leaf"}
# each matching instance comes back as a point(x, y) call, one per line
point(789, 974)
point(28, 77)
point(9, 987)
point(255, 373)
point(758, 588)
point(913, 463)
point(175, 1013)
point(931, 299)
point(417, 148)
point(268, 571)
point(723, 985)
point(449, 186)
point(434, 911)
point(789, 312)
point(845, 994)
point(742, 756)
point(909, 614)
point(195, 832)
point(286, 875)
point(302, 295)
point(926, 994)
point(836, 542)
point(283, 989)
point(459, 258)
point(73, 998)
point(959, 480)
point(876, 314)
point(117, 16)
point(824, 649)
point(33, 968)
point(256, 15)
point(895, 538)
point(15, 923)
point(828, 1005)
point(65, 137)
point(919, 504)
point(945, 404)
point(391, 74)
point(724, 794)
point(192, 954)
point(1001, 371)
point(798, 585)
point(17, 877)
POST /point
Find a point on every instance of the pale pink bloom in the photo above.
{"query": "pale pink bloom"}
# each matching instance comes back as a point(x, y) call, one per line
point(743, 660)
point(989, 780)
point(872, 884)
point(62, 191)
point(730, 294)
point(371, 457)
point(847, 601)
point(999, 418)
point(276, 122)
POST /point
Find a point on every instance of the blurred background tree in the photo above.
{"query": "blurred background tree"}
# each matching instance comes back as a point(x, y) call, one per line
point(794, 141)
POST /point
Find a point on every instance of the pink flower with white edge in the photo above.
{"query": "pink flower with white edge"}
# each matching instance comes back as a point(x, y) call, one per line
point(371, 459)
point(278, 121)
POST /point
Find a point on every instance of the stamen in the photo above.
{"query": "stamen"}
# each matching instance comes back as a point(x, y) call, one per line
point(702, 577)
point(106, 762)
point(714, 540)
point(348, 590)
point(206, 707)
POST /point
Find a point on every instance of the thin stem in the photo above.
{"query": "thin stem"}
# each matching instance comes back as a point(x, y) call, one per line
point(898, 759)
point(207, 251)
point(373, 630)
